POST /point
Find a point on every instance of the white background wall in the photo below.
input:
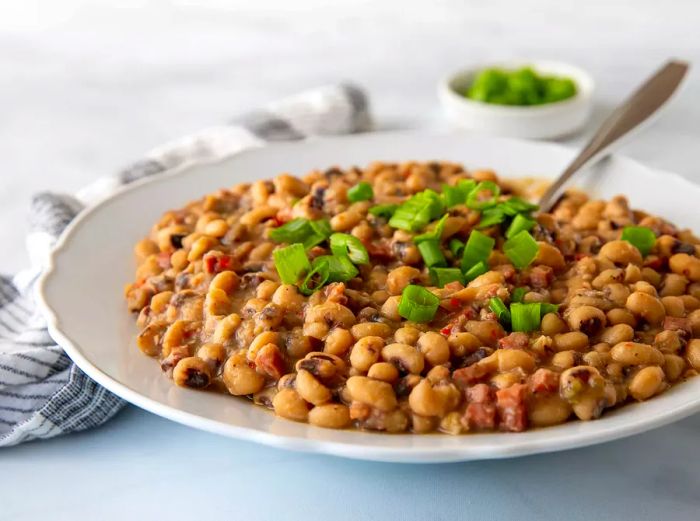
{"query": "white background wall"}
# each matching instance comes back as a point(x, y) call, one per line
point(87, 86)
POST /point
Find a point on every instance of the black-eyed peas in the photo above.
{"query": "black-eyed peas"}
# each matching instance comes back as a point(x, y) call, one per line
point(214, 311)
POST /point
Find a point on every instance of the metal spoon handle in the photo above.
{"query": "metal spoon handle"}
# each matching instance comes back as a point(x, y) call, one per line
point(637, 109)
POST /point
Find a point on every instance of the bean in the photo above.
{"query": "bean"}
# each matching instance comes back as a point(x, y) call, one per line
point(288, 404)
point(686, 265)
point(374, 393)
point(587, 319)
point(673, 367)
point(366, 352)
point(192, 372)
point(549, 255)
point(338, 341)
point(384, 371)
point(407, 335)
point(545, 410)
point(609, 276)
point(692, 353)
point(575, 340)
point(694, 319)
point(621, 253)
point(407, 358)
point(365, 329)
point(674, 306)
point(401, 277)
point(668, 341)
point(552, 324)
point(646, 383)
point(673, 285)
point(390, 308)
point(434, 347)
point(330, 416)
point(621, 316)
point(487, 331)
point(241, 379)
point(565, 359)
point(634, 353)
point(225, 328)
point(332, 314)
point(509, 359)
point(311, 389)
point(651, 276)
point(427, 399)
point(213, 354)
point(462, 344)
point(617, 333)
point(647, 307)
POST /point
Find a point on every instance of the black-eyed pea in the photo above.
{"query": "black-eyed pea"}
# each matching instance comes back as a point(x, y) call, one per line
point(621, 253)
point(297, 344)
point(647, 307)
point(487, 331)
point(694, 319)
point(226, 281)
point(505, 380)
point(145, 248)
point(548, 409)
point(673, 285)
point(617, 333)
point(318, 330)
point(634, 353)
point(226, 328)
point(390, 308)
point(686, 265)
point(269, 317)
point(374, 393)
point(262, 251)
point(633, 273)
point(148, 340)
point(366, 352)
point(338, 341)
point(160, 301)
point(407, 335)
point(384, 371)
point(565, 359)
point(647, 382)
point(266, 289)
point(614, 369)
point(330, 416)
point(178, 260)
point(587, 319)
point(323, 366)
point(585, 390)
point(451, 423)
point(668, 341)
point(461, 344)
point(674, 306)
point(429, 399)
point(380, 296)
point(645, 287)
point(216, 228)
point(406, 358)
point(395, 421)
point(596, 359)
point(287, 297)
point(692, 353)
point(651, 276)
point(673, 367)
point(217, 302)
point(253, 306)
point(690, 303)
point(434, 347)
point(621, 316)
point(549, 255)
point(255, 216)
point(401, 277)
point(212, 353)
point(365, 329)
point(510, 359)
point(344, 221)
point(192, 372)
point(332, 314)
point(262, 339)
point(311, 389)
point(574, 340)
point(694, 289)
point(289, 404)
point(200, 247)
point(438, 374)
point(423, 424)
point(609, 276)
point(173, 336)
point(617, 294)
point(239, 378)
point(552, 324)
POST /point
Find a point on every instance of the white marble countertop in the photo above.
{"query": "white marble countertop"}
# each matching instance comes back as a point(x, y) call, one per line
point(86, 87)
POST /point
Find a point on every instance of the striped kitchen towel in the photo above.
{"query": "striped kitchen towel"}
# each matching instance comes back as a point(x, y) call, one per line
point(42, 393)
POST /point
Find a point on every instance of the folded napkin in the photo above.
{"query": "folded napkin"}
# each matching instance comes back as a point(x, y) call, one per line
point(42, 393)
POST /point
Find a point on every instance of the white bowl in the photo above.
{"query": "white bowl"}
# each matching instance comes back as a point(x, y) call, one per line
point(550, 120)
point(82, 298)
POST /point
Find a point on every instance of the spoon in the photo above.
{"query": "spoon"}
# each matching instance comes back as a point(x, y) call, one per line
point(637, 109)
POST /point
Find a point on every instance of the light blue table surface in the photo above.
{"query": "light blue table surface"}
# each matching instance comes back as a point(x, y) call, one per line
point(140, 466)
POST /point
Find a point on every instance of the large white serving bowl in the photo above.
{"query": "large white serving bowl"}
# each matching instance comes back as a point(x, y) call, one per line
point(81, 294)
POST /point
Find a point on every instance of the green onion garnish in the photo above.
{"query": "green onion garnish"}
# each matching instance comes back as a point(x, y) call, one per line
point(477, 249)
point(466, 186)
point(291, 263)
point(435, 233)
point(315, 279)
point(456, 247)
point(456, 195)
point(346, 245)
point(295, 230)
point(521, 249)
point(430, 251)
point(640, 237)
point(442, 276)
point(516, 205)
point(518, 294)
point(360, 192)
point(478, 269)
point(546, 307)
point(340, 269)
point(491, 217)
point(525, 317)
point(417, 304)
point(383, 210)
point(320, 231)
point(519, 223)
point(478, 201)
point(501, 311)
point(418, 211)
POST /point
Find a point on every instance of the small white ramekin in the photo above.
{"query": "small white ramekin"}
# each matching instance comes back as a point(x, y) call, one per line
point(550, 120)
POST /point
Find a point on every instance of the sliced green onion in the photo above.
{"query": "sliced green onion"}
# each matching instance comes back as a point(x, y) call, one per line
point(315, 279)
point(477, 201)
point(454, 195)
point(477, 249)
point(466, 186)
point(519, 223)
point(525, 317)
point(417, 304)
point(478, 269)
point(640, 237)
point(501, 311)
point(491, 217)
point(546, 307)
point(291, 263)
point(456, 247)
point(295, 230)
point(516, 205)
point(430, 251)
point(340, 269)
point(346, 245)
point(383, 210)
point(521, 249)
point(435, 204)
point(412, 215)
point(435, 233)
point(518, 294)
point(442, 276)
point(320, 231)
point(360, 192)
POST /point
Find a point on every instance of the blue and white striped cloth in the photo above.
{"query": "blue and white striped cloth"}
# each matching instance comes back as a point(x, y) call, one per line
point(42, 393)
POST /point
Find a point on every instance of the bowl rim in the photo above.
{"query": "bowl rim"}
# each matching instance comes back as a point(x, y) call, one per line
point(584, 82)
